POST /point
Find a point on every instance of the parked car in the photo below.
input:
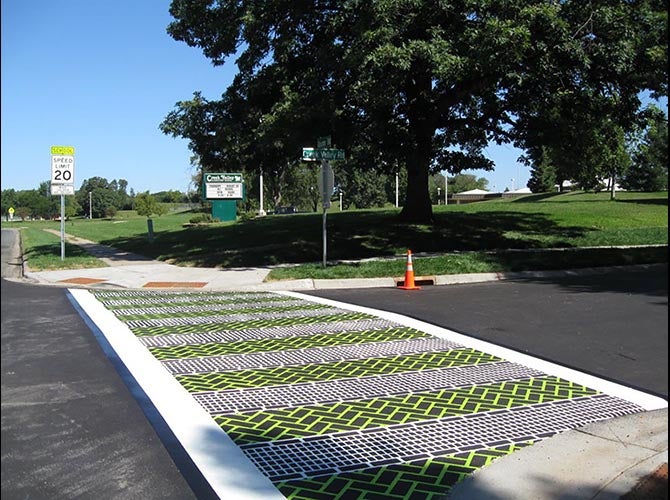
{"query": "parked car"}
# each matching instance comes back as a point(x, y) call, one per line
point(286, 210)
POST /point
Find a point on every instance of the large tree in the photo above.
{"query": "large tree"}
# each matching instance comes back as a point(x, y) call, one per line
point(422, 84)
point(587, 64)
point(649, 168)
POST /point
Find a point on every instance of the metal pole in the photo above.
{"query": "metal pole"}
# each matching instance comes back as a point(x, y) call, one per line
point(90, 205)
point(446, 200)
point(260, 182)
point(340, 201)
point(324, 237)
point(396, 190)
point(62, 227)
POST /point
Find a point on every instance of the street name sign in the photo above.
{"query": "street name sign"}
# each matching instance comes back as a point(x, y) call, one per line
point(316, 154)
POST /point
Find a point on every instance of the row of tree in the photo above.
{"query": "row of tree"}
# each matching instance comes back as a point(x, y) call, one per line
point(641, 162)
point(422, 87)
point(97, 197)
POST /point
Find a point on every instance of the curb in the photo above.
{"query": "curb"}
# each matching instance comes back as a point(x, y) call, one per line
point(331, 284)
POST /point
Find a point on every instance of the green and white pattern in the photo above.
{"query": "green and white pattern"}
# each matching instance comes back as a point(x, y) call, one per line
point(336, 403)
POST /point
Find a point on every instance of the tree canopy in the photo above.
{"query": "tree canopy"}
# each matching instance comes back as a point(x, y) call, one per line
point(421, 85)
point(649, 163)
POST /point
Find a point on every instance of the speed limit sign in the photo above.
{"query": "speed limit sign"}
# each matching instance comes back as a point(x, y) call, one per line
point(62, 165)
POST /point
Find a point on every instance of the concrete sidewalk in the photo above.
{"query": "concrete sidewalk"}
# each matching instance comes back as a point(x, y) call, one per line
point(127, 270)
point(624, 457)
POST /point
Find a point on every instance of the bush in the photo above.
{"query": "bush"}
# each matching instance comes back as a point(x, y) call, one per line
point(246, 216)
point(201, 219)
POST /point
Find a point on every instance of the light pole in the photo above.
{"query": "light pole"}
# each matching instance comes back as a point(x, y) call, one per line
point(261, 212)
point(90, 205)
point(438, 195)
point(396, 190)
point(340, 201)
point(446, 199)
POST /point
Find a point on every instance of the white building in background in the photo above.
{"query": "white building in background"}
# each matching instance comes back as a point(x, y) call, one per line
point(475, 191)
point(569, 186)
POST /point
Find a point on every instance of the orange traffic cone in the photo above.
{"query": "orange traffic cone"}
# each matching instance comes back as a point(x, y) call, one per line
point(409, 275)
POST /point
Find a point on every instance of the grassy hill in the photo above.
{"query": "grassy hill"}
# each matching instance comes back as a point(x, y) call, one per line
point(489, 233)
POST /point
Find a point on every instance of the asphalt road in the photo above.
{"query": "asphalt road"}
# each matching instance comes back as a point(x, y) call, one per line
point(613, 325)
point(73, 425)
point(71, 428)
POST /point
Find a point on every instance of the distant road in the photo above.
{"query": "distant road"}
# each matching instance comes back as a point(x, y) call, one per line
point(11, 254)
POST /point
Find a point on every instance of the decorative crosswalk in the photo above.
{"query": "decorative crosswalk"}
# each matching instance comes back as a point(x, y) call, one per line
point(331, 402)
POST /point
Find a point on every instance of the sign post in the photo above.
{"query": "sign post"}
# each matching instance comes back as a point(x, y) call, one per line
point(326, 180)
point(62, 183)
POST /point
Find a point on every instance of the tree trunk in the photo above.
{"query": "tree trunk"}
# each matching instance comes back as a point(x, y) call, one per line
point(418, 207)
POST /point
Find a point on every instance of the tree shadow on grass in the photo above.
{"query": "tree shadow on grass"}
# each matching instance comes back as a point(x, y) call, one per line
point(535, 198)
point(54, 249)
point(350, 235)
point(643, 201)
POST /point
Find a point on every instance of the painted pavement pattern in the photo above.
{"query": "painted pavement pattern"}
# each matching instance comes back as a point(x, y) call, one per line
point(334, 404)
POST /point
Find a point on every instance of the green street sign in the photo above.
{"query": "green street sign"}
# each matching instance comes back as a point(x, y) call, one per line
point(316, 154)
point(323, 142)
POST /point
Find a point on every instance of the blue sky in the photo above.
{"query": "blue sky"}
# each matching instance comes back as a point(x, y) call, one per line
point(101, 76)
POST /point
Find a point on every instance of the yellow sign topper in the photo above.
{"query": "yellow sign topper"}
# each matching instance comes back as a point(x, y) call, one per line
point(62, 150)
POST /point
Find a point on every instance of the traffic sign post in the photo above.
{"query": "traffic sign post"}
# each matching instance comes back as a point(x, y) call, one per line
point(324, 142)
point(326, 183)
point(326, 180)
point(62, 183)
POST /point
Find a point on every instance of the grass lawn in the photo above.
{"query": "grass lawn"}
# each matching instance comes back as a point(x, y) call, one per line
point(473, 237)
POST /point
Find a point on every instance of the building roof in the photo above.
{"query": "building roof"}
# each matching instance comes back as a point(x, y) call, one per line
point(474, 191)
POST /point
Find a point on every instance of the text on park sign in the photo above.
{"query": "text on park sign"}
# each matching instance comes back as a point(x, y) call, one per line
point(223, 190)
point(209, 177)
point(223, 186)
